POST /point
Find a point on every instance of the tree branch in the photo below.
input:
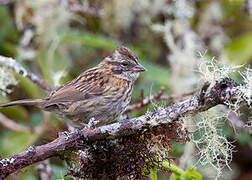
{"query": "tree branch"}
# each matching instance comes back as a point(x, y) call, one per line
point(12, 125)
point(76, 7)
point(5, 2)
point(158, 96)
point(221, 92)
point(12, 63)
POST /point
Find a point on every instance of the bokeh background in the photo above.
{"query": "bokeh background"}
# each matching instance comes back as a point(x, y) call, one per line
point(58, 39)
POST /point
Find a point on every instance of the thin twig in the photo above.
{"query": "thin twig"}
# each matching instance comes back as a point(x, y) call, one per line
point(247, 7)
point(222, 91)
point(10, 124)
point(5, 2)
point(158, 96)
point(76, 7)
point(12, 63)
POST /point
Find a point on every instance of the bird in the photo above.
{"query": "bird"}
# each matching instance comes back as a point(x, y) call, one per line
point(99, 95)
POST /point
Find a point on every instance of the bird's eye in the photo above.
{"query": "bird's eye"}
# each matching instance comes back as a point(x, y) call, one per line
point(125, 63)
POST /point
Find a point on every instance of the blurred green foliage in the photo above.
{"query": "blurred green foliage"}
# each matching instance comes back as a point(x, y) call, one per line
point(179, 174)
point(239, 50)
point(9, 35)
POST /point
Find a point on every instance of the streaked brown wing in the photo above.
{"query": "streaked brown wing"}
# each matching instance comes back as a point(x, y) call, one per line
point(88, 85)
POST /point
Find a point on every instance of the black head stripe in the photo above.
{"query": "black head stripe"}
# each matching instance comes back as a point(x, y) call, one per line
point(128, 53)
point(116, 63)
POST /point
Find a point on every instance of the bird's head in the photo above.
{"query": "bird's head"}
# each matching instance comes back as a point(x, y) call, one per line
point(124, 64)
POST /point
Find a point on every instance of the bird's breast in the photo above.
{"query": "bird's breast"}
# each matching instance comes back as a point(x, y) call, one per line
point(122, 95)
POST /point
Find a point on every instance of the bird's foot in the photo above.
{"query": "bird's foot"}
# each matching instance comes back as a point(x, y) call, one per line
point(92, 123)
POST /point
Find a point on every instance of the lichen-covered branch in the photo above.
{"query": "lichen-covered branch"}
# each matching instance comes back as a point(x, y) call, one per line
point(221, 92)
point(18, 68)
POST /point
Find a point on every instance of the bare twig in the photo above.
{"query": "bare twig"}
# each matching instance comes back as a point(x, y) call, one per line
point(5, 2)
point(158, 96)
point(247, 7)
point(218, 94)
point(10, 124)
point(12, 63)
point(176, 96)
point(76, 7)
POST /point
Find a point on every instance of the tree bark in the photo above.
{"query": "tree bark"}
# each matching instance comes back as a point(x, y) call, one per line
point(221, 92)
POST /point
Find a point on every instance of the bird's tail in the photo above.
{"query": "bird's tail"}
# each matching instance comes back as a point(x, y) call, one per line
point(27, 102)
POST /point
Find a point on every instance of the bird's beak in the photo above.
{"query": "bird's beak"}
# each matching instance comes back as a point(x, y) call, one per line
point(139, 68)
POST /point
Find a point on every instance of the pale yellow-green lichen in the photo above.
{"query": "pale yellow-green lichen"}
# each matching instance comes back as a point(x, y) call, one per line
point(215, 151)
point(6, 79)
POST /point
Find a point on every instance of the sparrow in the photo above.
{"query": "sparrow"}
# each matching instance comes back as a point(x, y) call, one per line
point(100, 94)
